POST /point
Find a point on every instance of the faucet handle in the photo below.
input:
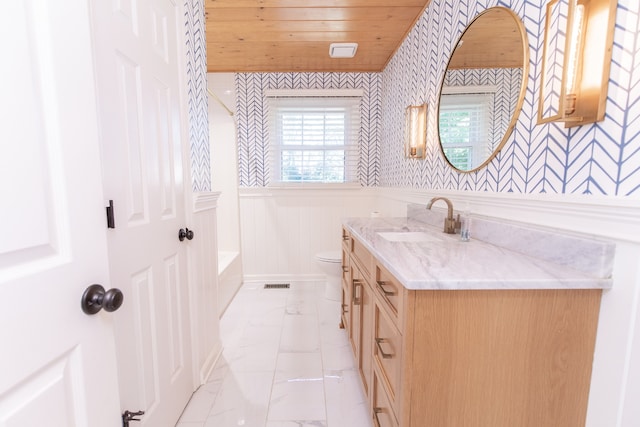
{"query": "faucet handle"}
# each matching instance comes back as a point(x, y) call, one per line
point(450, 225)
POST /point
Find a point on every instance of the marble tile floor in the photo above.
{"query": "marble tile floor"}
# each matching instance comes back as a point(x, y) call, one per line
point(285, 363)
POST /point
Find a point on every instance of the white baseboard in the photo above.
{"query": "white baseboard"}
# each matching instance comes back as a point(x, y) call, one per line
point(207, 367)
point(282, 278)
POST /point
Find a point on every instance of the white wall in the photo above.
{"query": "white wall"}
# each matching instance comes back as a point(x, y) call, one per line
point(224, 179)
point(224, 159)
point(284, 228)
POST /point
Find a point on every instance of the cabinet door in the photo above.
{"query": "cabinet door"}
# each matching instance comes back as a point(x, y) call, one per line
point(357, 284)
point(366, 336)
point(346, 291)
point(362, 325)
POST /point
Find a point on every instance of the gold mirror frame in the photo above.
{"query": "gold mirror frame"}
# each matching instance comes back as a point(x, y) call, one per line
point(523, 84)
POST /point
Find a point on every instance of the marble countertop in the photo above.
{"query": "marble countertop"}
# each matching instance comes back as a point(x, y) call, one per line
point(443, 261)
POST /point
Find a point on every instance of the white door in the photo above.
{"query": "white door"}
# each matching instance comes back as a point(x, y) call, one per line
point(57, 364)
point(137, 61)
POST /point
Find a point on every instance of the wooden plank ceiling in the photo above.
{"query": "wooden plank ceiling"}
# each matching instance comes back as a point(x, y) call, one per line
point(493, 40)
point(294, 35)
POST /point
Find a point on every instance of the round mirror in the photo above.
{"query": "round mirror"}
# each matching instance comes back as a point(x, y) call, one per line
point(483, 89)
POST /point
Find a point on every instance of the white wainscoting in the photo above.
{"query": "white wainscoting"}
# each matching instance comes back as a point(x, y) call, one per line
point(203, 278)
point(283, 228)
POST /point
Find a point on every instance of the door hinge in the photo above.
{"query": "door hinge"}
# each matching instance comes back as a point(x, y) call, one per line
point(111, 222)
point(130, 416)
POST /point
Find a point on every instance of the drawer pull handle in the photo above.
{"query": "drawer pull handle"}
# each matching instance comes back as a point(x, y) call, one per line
point(344, 309)
point(356, 284)
point(345, 238)
point(377, 411)
point(386, 293)
point(345, 268)
point(384, 355)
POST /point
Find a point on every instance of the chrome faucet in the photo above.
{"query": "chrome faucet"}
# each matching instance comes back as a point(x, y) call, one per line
point(451, 224)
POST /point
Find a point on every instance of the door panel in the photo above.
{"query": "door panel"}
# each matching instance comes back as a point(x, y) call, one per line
point(31, 228)
point(127, 127)
point(51, 391)
point(145, 342)
point(175, 315)
point(58, 364)
point(165, 145)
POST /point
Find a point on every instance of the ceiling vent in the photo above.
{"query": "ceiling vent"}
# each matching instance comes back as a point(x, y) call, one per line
point(343, 50)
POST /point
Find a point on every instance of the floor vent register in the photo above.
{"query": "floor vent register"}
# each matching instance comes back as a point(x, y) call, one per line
point(277, 286)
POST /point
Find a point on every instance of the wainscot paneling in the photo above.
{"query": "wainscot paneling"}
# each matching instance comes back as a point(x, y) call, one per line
point(202, 253)
point(283, 228)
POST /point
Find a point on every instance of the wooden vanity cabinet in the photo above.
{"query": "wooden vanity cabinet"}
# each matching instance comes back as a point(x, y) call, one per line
point(475, 358)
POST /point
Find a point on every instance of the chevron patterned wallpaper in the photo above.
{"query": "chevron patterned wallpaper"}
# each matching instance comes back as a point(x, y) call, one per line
point(602, 158)
point(197, 94)
point(253, 138)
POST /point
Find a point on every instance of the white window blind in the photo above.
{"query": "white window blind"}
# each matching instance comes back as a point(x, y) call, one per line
point(464, 122)
point(314, 138)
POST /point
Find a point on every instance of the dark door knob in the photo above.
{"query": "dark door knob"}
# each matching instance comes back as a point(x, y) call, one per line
point(185, 233)
point(95, 298)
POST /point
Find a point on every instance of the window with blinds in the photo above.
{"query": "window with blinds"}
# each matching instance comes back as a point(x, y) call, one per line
point(464, 123)
point(314, 138)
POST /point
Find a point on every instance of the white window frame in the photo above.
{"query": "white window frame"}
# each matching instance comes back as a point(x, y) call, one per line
point(279, 100)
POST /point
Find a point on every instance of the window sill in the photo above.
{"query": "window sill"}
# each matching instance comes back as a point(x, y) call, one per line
point(315, 186)
point(306, 190)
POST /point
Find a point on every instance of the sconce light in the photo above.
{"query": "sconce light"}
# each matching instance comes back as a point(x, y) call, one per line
point(416, 131)
point(576, 59)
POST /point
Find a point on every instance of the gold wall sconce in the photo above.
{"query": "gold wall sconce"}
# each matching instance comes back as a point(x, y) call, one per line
point(416, 131)
point(576, 59)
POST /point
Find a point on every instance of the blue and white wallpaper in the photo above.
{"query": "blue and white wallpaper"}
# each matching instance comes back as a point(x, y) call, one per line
point(251, 113)
point(196, 50)
point(601, 158)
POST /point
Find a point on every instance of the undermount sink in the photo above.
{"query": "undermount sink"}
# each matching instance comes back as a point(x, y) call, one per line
point(408, 236)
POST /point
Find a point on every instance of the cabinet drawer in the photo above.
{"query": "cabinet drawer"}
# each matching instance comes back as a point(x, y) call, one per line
point(363, 257)
point(387, 352)
point(382, 412)
point(391, 291)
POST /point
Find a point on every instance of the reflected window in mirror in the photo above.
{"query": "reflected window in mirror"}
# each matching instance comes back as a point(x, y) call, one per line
point(466, 125)
point(492, 51)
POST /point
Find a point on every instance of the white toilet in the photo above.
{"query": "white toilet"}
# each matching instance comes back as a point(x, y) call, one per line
point(331, 264)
